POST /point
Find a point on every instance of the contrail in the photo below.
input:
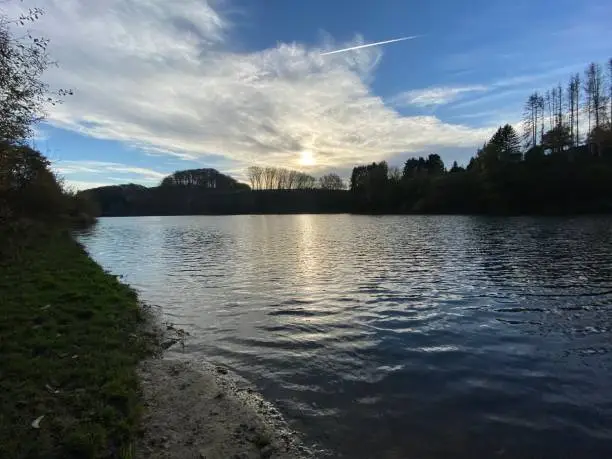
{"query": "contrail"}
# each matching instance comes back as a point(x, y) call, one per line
point(368, 45)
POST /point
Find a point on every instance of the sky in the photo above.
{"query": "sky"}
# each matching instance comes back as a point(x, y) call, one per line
point(162, 85)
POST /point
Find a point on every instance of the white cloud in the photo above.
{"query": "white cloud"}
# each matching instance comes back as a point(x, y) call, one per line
point(429, 97)
point(162, 75)
point(546, 77)
point(78, 185)
point(89, 174)
point(496, 90)
point(509, 95)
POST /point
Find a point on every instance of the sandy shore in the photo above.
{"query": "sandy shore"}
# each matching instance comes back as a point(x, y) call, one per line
point(205, 412)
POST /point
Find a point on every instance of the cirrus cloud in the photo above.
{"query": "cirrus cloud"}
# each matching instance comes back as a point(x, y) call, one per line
point(163, 76)
point(83, 174)
point(434, 96)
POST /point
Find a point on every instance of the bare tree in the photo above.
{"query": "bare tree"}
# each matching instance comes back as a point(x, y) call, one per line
point(576, 81)
point(610, 90)
point(309, 182)
point(331, 182)
point(282, 179)
point(269, 174)
point(596, 98)
point(541, 109)
point(548, 100)
point(570, 107)
point(292, 180)
point(573, 106)
point(560, 118)
point(555, 102)
point(553, 108)
point(254, 174)
point(532, 118)
point(300, 181)
point(529, 137)
point(276, 178)
point(588, 97)
point(305, 181)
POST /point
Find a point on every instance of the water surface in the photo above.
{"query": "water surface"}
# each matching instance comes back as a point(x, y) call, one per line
point(395, 337)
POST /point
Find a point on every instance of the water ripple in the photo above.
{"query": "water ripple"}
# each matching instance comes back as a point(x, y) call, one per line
point(395, 337)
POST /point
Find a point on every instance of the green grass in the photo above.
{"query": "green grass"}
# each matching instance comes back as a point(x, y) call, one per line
point(70, 342)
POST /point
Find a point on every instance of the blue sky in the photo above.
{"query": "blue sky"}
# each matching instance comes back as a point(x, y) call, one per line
point(162, 86)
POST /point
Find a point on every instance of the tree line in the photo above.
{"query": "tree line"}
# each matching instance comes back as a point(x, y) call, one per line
point(560, 163)
point(209, 192)
point(277, 178)
point(555, 119)
point(136, 200)
point(208, 178)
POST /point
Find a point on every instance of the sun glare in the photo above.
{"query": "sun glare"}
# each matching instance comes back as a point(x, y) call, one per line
point(307, 158)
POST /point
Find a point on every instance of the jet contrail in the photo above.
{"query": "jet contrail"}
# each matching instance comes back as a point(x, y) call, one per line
point(369, 45)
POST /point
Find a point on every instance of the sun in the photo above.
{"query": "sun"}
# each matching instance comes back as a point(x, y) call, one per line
point(307, 158)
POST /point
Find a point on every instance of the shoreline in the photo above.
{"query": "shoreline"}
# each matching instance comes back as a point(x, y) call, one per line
point(205, 411)
point(198, 409)
point(83, 373)
point(194, 411)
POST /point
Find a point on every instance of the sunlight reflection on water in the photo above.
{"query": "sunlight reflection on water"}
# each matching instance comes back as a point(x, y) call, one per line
point(395, 336)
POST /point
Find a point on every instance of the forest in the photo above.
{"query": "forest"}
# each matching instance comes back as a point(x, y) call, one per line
point(558, 162)
point(209, 192)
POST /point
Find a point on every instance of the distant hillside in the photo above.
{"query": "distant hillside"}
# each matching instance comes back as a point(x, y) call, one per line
point(208, 192)
point(208, 179)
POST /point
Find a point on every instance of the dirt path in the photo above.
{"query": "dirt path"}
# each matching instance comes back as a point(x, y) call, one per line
point(203, 413)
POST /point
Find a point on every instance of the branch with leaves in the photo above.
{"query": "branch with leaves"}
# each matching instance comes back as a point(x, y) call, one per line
point(24, 96)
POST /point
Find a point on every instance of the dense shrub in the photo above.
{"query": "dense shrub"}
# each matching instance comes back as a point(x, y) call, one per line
point(29, 190)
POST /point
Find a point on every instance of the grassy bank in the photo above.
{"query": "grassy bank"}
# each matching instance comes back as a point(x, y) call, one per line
point(70, 342)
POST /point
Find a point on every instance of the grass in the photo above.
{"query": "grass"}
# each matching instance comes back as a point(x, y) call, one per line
point(70, 341)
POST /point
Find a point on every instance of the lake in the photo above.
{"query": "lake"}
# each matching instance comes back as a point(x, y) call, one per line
point(394, 336)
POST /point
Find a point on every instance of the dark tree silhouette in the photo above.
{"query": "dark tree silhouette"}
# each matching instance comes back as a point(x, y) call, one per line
point(456, 168)
point(202, 178)
point(506, 144)
point(560, 172)
point(331, 182)
point(557, 139)
point(610, 91)
point(557, 174)
point(533, 117)
point(275, 178)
